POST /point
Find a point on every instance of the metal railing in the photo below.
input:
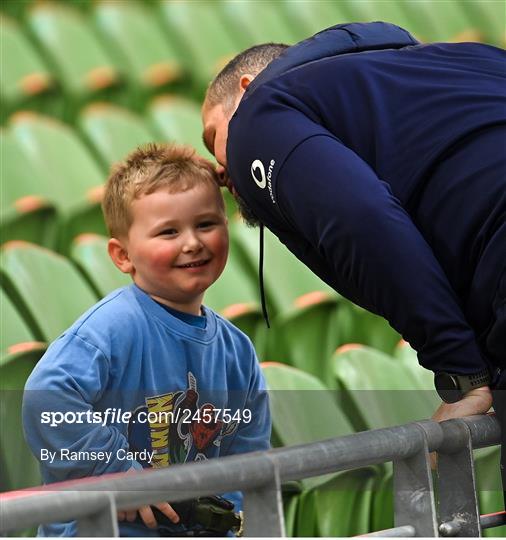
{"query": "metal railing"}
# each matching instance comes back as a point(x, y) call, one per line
point(94, 501)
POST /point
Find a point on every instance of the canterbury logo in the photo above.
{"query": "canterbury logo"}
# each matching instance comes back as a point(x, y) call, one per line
point(258, 170)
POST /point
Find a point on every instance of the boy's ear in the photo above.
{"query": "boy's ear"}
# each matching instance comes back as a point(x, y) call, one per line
point(119, 255)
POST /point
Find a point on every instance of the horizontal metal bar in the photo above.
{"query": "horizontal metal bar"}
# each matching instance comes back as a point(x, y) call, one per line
point(243, 472)
point(397, 532)
point(487, 521)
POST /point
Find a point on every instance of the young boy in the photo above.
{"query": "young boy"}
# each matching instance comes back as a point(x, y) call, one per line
point(149, 377)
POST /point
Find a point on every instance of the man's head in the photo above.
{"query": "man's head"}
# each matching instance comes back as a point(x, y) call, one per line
point(222, 99)
point(226, 90)
point(166, 218)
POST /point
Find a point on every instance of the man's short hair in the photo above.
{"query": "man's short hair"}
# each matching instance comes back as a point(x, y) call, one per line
point(225, 85)
point(147, 169)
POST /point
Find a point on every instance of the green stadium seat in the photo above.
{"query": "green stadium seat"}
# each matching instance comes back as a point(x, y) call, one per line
point(490, 495)
point(259, 22)
point(19, 353)
point(89, 253)
point(113, 132)
point(176, 119)
point(377, 391)
point(26, 81)
point(409, 359)
point(65, 173)
point(439, 21)
point(19, 468)
point(371, 10)
point(306, 336)
point(15, 8)
point(24, 215)
point(80, 62)
point(357, 325)
point(302, 305)
point(203, 39)
point(304, 332)
point(48, 291)
point(139, 44)
point(488, 18)
point(286, 278)
point(15, 335)
point(336, 504)
point(235, 296)
point(307, 17)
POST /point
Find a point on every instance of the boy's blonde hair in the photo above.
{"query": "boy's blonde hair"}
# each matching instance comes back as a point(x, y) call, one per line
point(150, 167)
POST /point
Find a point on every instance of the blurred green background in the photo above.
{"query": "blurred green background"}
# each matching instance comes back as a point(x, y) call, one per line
point(82, 84)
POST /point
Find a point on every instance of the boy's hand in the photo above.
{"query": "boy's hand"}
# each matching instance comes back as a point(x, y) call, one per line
point(476, 401)
point(147, 515)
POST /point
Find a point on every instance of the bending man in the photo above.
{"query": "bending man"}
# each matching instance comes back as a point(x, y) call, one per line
point(381, 164)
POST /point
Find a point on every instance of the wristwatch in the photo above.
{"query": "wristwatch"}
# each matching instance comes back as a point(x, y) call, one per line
point(452, 388)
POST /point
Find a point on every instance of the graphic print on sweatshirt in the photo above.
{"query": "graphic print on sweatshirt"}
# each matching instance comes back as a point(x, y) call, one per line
point(178, 428)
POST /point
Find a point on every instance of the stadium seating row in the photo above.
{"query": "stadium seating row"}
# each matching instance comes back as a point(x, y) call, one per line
point(57, 57)
point(34, 278)
point(52, 179)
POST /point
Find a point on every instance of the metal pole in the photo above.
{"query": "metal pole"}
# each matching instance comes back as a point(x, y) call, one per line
point(457, 487)
point(263, 509)
point(487, 521)
point(406, 531)
point(103, 521)
point(66, 501)
point(414, 494)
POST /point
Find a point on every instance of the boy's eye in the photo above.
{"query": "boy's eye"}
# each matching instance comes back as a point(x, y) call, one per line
point(168, 232)
point(206, 224)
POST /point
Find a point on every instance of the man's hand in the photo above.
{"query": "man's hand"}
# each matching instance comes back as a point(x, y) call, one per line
point(476, 401)
point(147, 515)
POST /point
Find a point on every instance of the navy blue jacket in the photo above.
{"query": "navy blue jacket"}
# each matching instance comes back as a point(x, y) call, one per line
point(358, 149)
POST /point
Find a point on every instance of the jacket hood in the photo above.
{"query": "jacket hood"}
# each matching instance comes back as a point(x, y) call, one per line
point(336, 40)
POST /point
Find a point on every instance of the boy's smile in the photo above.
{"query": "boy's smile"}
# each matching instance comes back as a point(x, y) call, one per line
point(177, 245)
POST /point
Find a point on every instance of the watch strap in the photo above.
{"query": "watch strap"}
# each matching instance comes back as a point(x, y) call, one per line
point(473, 380)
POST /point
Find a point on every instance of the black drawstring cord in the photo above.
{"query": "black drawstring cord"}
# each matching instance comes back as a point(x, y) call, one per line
point(261, 276)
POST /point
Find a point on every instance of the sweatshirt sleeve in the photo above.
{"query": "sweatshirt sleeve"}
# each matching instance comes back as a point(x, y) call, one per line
point(352, 231)
point(58, 395)
point(254, 429)
point(253, 435)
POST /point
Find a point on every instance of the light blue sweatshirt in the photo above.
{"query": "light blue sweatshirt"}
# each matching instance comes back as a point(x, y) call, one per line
point(124, 358)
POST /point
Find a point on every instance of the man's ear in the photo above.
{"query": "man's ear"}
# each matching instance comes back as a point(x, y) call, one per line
point(119, 255)
point(244, 81)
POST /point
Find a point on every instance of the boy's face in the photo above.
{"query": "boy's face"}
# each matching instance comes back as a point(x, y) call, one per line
point(177, 245)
